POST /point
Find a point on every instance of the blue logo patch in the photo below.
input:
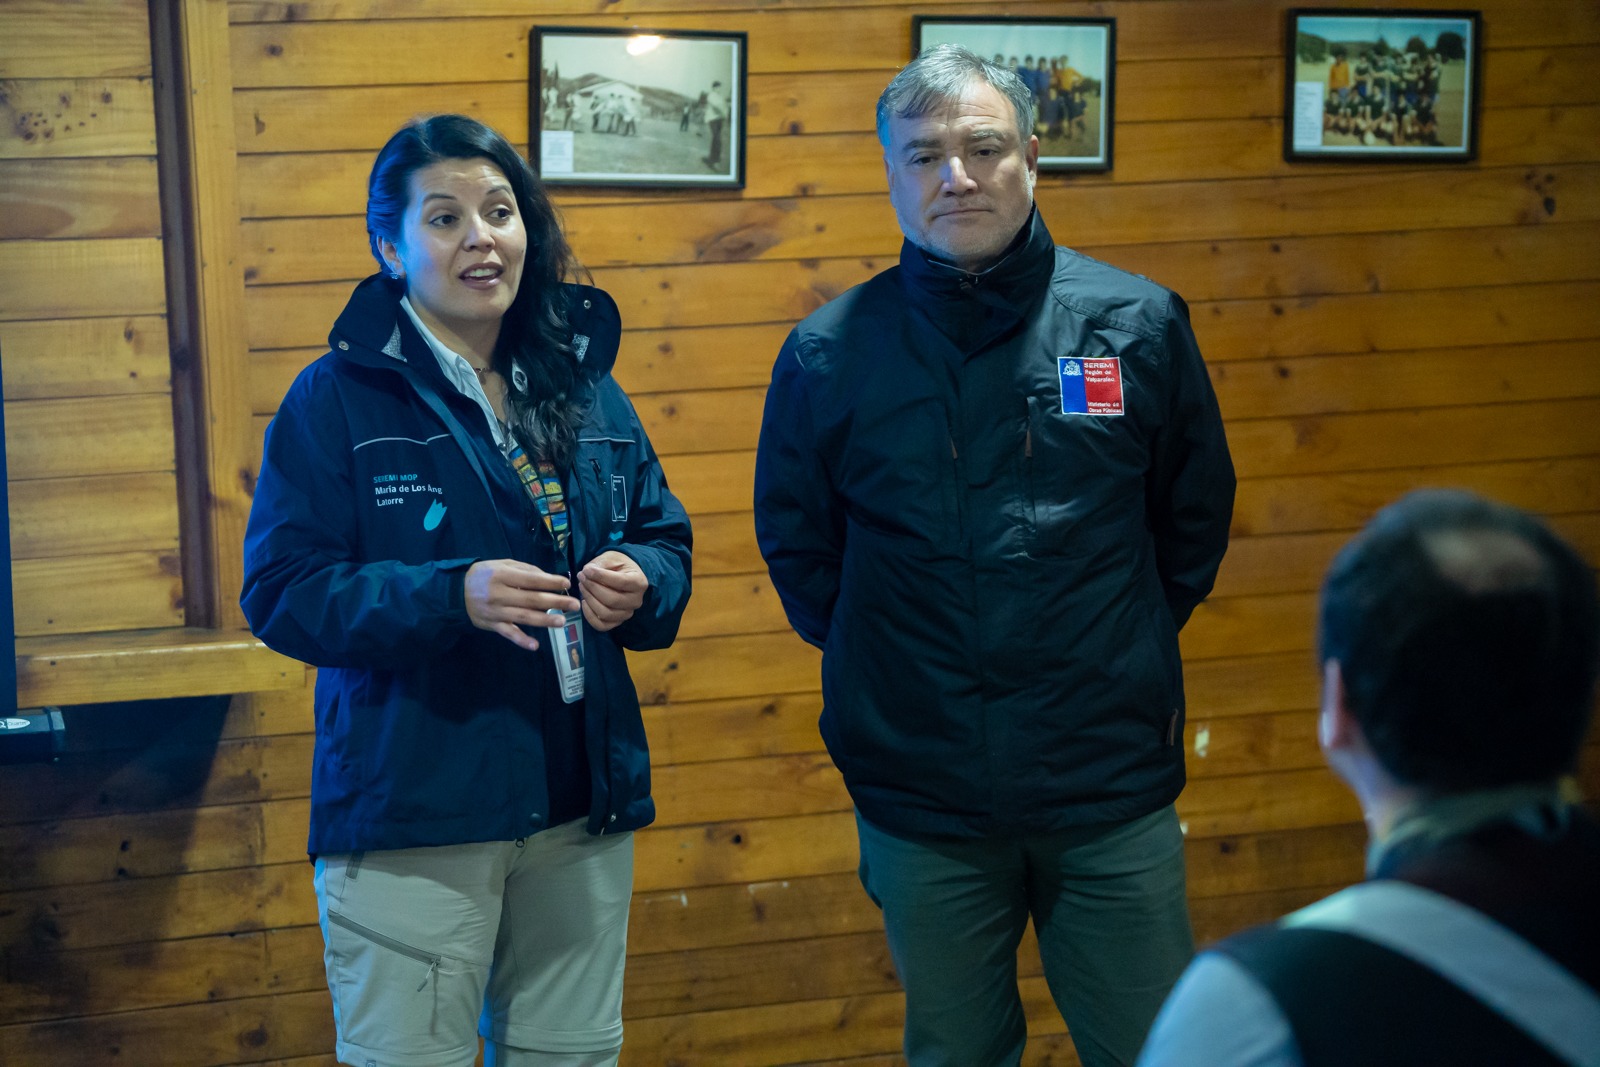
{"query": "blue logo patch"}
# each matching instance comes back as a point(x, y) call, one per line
point(434, 517)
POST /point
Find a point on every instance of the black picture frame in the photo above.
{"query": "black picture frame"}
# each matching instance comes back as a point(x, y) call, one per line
point(1409, 90)
point(660, 109)
point(1076, 98)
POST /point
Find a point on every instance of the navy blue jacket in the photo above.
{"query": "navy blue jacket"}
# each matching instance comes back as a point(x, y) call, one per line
point(992, 500)
point(379, 487)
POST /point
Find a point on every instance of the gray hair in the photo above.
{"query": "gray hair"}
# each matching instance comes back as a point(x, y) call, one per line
point(940, 75)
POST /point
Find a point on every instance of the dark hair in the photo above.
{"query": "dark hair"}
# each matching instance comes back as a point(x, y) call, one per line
point(535, 336)
point(941, 74)
point(1468, 639)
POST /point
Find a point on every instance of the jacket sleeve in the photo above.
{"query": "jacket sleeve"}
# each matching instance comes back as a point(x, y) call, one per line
point(659, 539)
point(1189, 494)
point(799, 520)
point(306, 593)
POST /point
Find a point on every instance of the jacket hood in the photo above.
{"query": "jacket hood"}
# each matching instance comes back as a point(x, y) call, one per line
point(368, 330)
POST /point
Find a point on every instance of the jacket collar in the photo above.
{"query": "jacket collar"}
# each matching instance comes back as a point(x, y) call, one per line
point(970, 309)
point(1024, 268)
point(374, 330)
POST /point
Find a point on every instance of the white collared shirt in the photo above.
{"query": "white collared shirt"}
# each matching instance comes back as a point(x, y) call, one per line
point(460, 374)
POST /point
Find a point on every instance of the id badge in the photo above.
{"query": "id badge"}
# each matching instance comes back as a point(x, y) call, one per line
point(566, 644)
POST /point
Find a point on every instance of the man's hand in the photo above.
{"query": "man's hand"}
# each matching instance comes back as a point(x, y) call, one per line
point(504, 595)
point(613, 588)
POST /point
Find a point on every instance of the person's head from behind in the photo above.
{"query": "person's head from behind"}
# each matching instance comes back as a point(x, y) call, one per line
point(456, 214)
point(1461, 638)
point(960, 155)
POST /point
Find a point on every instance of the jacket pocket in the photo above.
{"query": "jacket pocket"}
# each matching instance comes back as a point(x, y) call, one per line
point(430, 961)
point(1084, 480)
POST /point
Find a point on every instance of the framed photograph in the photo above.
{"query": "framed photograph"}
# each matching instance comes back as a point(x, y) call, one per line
point(1070, 64)
point(1381, 85)
point(629, 107)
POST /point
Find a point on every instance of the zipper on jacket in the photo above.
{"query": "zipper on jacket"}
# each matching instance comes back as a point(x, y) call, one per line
point(384, 941)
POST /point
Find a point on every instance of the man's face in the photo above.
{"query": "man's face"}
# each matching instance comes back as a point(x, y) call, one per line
point(961, 177)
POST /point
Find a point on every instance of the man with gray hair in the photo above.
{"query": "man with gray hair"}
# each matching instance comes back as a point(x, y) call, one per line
point(992, 485)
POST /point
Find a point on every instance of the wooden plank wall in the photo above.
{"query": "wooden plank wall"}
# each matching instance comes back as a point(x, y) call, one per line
point(83, 331)
point(1370, 329)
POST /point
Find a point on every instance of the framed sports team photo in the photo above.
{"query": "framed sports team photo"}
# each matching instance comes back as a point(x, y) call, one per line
point(1069, 64)
point(1381, 85)
point(626, 107)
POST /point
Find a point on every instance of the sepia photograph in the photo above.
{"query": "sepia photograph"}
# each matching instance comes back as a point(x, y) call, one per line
point(623, 107)
point(1069, 64)
point(1381, 85)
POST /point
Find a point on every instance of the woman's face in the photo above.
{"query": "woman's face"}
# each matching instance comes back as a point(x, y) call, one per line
point(460, 250)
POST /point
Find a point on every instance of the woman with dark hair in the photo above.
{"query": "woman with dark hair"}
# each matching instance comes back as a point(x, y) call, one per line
point(461, 523)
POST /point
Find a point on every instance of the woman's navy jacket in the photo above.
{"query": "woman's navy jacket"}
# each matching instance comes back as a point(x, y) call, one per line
point(380, 486)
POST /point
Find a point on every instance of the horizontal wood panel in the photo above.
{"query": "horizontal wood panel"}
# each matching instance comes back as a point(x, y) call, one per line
point(1336, 444)
point(195, 1035)
point(751, 788)
point(720, 482)
point(1372, 322)
point(779, 106)
point(863, 226)
point(749, 850)
point(1392, 380)
point(49, 279)
point(1500, 317)
point(1259, 803)
point(77, 517)
point(698, 731)
point(825, 102)
point(302, 250)
point(163, 774)
point(242, 11)
point(1229, 746)
point(1347, 499)
point(351, 53)
point(726, 544)
point(40, 43)
point(108, 197)
point(130, 846)
point(54, 118)
point(743, 976)
point(821, 165)
point(91, 594)
point(147, 665)
point(717, 668)
point(129, 435)
point(1250, 683)
point(1263, 624)
point(1552, 74)
point(723, 358)
point(136, 910)
point(1335, 389)
point(1263, 571)
point(51, 358)
point(163, 974)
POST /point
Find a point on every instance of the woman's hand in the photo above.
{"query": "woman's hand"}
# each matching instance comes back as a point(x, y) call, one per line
point(613, 589)
point(504, 595)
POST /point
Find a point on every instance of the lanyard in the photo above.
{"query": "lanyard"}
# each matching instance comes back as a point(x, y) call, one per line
point(544, 487)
